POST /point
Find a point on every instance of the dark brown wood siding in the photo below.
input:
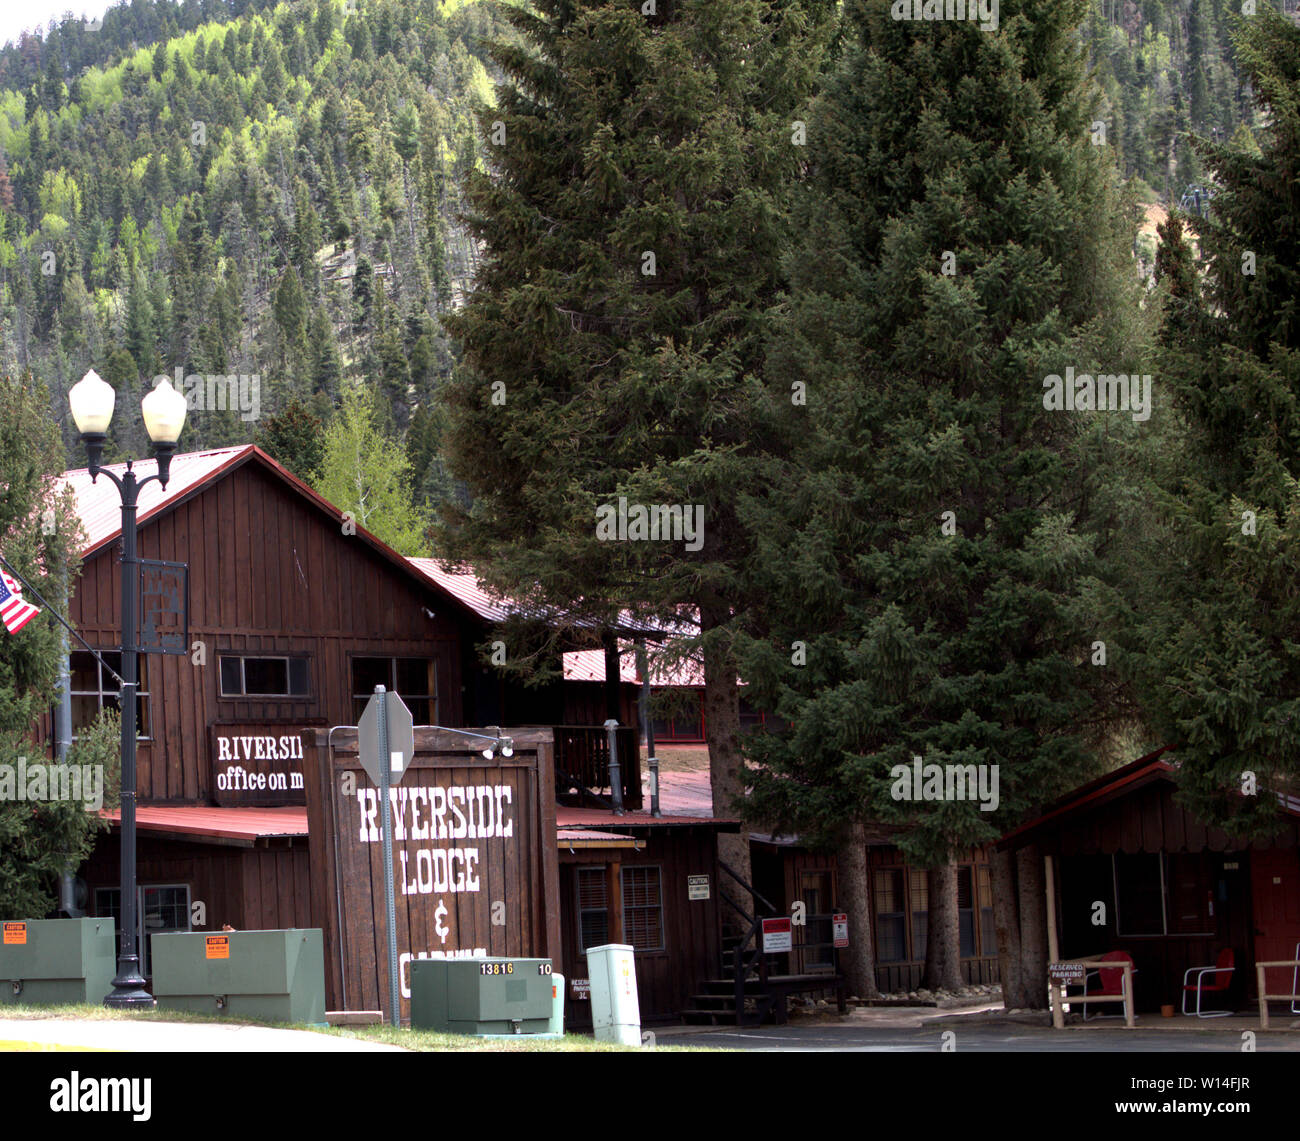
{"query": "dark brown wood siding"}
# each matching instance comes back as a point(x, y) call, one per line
point(251, 889)
point(691, 952)
point(272, 574)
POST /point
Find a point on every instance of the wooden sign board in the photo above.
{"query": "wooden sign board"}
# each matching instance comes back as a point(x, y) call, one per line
point(1065, 972)
point(257, 765)
point(580, 989)
point(475, 860)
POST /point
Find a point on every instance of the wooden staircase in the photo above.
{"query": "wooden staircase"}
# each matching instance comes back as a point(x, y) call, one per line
point(744, 993)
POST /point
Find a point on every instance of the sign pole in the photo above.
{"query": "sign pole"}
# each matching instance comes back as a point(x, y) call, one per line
point(390, 905)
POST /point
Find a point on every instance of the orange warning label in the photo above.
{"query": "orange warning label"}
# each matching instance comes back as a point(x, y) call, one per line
point(218, 946)
point(15, 934)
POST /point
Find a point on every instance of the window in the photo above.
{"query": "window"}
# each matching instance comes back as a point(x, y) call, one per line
point(683, 722)
point(412, 679)
point(919, 893)
point(1163, 894)
point(1139, 893)
point(643, 912)
point(94, 689)
point(816, 893)
point(965, 913)
point(891, 932)
point(593, 909)
point(988, 927)
point(264, 677)
point(160, 908)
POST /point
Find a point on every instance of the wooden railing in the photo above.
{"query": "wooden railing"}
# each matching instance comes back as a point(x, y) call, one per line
point(582, 760)
point(1264, 998)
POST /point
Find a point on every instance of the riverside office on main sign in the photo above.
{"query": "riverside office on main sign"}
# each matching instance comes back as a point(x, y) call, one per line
point(259, 764)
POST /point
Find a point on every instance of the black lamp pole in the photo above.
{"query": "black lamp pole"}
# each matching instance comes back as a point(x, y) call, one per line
point(128, 986)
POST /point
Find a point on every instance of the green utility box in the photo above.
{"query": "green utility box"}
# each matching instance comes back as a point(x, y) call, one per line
point(274, 975)
point(46, 961)
point(482, 996)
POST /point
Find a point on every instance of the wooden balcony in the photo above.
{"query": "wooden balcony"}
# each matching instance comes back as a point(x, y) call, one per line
point(582, 764)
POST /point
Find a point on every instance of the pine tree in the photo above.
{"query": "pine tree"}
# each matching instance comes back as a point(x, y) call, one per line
point(40, 535)
point(295, 437)
point(919, 581)
point(1213, 621)
point(631, 215)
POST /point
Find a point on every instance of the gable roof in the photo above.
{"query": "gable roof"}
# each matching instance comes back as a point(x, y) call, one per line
point(466, 586)
point(99, 505)
point(1112, 786)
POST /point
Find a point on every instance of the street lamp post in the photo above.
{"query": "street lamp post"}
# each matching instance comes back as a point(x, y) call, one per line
point(164, 415)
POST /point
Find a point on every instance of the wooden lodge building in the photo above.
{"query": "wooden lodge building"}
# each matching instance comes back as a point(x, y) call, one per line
point(1136, 873)
point(294, 616)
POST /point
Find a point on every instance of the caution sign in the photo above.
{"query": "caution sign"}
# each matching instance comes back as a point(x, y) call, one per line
point(15, 934)
point(840, 930)
point(217, 946)
point(777, 936)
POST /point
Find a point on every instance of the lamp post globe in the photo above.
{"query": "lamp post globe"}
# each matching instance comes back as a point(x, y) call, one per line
point(92, 401)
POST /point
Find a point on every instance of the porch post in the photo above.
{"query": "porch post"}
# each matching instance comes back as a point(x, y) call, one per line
point(1053, 944)
point(614, 894)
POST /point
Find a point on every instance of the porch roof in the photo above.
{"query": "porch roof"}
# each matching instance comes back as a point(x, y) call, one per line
point(1092, 819)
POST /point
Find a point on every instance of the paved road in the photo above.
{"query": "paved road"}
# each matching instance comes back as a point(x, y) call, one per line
point(178, 1037)
point(1017, 1039)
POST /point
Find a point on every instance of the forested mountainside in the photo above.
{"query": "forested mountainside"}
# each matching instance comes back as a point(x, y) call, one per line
point(245, 187)
point(238, 187)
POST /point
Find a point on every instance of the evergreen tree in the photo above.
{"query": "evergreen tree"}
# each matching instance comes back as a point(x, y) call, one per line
point(1214, 612)
point(920, 580)
point(632, 219)
point(40, 535)
point(295, 437)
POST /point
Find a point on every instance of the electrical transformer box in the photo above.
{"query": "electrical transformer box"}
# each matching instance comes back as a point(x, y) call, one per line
point(482, 996)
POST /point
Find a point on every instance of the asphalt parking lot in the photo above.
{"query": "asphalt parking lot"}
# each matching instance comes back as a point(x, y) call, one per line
point(848, 1037)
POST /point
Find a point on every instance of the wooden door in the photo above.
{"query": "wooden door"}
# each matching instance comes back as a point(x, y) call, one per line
point(1275, 885)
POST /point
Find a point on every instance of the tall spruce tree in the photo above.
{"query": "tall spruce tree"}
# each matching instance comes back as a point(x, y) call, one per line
point(1214, 612)
point(921, 576)
point(40, 536)
point(632, 216)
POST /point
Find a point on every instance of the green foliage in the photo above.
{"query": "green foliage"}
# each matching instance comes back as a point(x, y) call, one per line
point(190, 163)
point(1211, 603)
point(920, 583)
point(41, 537)
point(294, 436)
point(367, 474)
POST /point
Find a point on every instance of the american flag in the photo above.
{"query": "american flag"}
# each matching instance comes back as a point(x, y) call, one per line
point(13, 610)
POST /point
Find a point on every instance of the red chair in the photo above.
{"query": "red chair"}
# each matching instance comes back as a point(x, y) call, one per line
point(1221, 980)
point(1110, 981)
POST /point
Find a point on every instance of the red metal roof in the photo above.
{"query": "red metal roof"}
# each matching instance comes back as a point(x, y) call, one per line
point(100, 506)
point(465, 586)
point(202, 821)
point(605, 818)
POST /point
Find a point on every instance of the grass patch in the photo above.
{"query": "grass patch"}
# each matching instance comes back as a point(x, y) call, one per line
point(419, 1040)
